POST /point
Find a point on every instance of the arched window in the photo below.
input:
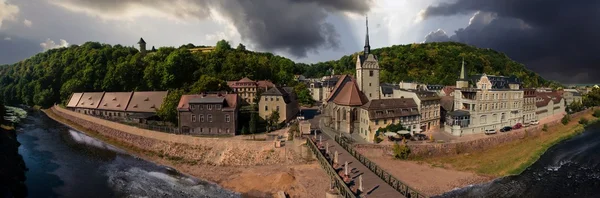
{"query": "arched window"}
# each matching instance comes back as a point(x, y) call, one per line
point(483, 119)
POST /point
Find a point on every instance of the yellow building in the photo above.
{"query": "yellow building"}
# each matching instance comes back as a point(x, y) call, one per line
point(278, 99)
point(247, 88)
point(383, 112)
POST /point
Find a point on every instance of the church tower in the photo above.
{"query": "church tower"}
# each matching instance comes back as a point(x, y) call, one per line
point(462, 81)
point(367, 71)
point(142, 44)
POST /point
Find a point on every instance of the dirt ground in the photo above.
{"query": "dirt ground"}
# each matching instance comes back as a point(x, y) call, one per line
point(426, 178)
point(307, 180)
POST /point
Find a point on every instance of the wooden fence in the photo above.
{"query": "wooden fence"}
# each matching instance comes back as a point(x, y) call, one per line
point(385, 176)
point(338, 183)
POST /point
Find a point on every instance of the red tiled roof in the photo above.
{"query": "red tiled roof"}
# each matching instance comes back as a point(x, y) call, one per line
point(247, 82)
point(350, 95)
point(556, 97)
point(337, 87)
point(245, 79)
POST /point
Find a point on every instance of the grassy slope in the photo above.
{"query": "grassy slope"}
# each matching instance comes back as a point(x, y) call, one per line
point(514, 157)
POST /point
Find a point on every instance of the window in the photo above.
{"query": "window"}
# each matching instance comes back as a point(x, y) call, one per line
point(209, 107)
point(219, 107)
point(384, 121)
point(201, 118)
point(193, 118)
point(227, 130)
point(370, 95)
point(369, 84)
point(376, 122)
point(266, 108)
point(370, 73)
point(193, 107)
point(201, 106)
point(220, 131)
point(209, 130)
point(277, 99)
point(227, 118)
point(271, 99)
point(209, 117)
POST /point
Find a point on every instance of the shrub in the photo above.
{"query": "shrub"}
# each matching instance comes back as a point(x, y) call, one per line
point(583, 121)
point(566, 119)
point(378, 139)
point(545, 128)
point(597, 113)
point(401, 151)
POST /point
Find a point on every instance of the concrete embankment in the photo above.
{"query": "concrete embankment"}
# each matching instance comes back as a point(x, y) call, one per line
point(211, 151)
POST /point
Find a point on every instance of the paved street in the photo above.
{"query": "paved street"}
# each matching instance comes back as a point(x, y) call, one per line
point(372, 184)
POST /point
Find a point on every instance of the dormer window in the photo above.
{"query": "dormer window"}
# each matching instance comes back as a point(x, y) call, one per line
point(115, 98)
point(105, 104)
point(135, 106)
point(147, 99)
point(118, 105)
point(153, 106)
point(90, 98)
point(92, 103)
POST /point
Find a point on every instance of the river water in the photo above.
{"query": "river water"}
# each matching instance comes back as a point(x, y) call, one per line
point(568, 169)
point(66, 163)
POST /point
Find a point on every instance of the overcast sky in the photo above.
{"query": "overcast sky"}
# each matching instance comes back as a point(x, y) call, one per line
point(556, 39)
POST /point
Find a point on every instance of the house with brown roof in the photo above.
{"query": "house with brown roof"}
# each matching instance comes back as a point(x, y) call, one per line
point(74, 100)
point(209, 114)
point(381, 113)
point(144, 104)
point(549, 104)
point(113, 105)
point(428, 103)
point(343, 105)
point(247, 88)
point(280, 99)
point(88, 103)
point(529, 106)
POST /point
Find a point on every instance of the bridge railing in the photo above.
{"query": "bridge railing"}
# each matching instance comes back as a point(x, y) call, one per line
point(338, 183)
point(385, 176)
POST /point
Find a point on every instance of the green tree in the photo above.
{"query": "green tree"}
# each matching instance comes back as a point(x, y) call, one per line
point(597, 113)
point(566, 119)
point(273, 120)
point(244, 130)
point(168, 110)
point(401, 151)
point(209, 84)
point(545, 128)
point(253, 122)
point(223, 45)
point(241, 47)
point(303, 94)
point(583, 121)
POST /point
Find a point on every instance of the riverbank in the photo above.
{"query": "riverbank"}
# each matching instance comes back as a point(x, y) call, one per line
point(461, 166)
point(513, 157)
point(12, 170)
point(251, 180)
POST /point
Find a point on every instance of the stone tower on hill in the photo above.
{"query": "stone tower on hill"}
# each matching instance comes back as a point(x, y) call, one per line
point(367, 71)
point(142, 44)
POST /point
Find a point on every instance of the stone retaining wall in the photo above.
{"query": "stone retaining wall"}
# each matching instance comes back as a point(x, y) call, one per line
point(214, 151)
point(444, 149)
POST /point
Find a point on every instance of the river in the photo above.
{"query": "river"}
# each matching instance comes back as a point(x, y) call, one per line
point(568, 169)
point(63, 162)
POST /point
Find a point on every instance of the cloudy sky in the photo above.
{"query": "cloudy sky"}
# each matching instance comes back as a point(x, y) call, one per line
point(559, 40)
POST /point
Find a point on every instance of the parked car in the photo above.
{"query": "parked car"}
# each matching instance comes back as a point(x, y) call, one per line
point(517, 126)
point(419, 136)
point(490, 131)
point(505, 129)
point(535, 122)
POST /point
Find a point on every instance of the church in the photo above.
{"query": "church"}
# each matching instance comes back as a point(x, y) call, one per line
point(355, 105)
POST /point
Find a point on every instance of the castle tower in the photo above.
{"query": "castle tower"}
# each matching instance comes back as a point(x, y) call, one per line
point(367, 71)
point(142, 44)
point(462, 81)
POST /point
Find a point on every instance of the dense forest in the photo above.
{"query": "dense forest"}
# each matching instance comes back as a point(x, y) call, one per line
point(52, 76)
point(434, 63)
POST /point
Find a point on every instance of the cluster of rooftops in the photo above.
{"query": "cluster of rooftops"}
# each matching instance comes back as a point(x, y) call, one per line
point(145, 101)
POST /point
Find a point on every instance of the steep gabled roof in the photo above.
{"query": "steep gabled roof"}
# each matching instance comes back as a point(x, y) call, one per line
point(350, 95)
point(74, 99)
point(338, 86)
point(141, 41)
point(447, 103)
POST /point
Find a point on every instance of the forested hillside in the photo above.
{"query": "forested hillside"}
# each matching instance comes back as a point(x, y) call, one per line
point(434, 63)
point(52, 76)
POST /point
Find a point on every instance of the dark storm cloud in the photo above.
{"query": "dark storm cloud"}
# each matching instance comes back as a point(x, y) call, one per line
point(293, 26)
point(557, 39)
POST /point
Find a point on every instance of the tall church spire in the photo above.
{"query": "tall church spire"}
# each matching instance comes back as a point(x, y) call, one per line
point(367, 46)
